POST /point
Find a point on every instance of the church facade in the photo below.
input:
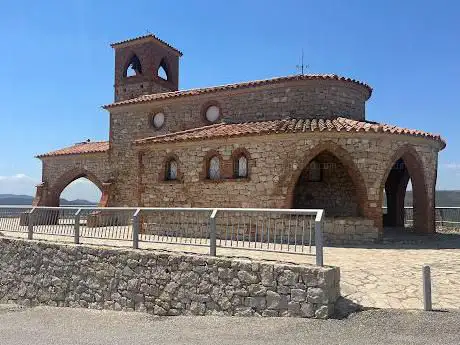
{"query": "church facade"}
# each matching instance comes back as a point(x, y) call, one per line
point(299, 141)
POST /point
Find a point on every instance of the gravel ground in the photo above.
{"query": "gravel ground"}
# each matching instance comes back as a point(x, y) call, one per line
point(46, 325)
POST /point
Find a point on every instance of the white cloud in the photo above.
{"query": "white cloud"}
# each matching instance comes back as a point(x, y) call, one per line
point(16, 177)
point(452, 166)
point(23, 184)
point(18, 184)
point(448, 176)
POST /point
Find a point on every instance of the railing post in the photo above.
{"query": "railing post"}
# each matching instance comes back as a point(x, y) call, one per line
point(427, 305)
point(212, 234)
point(30, 225)
point(441, 213)
point(319, 238)
point(77, 227)
point(136, 229)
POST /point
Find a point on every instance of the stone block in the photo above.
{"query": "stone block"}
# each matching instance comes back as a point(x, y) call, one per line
point(298, 295)
point(316, 295)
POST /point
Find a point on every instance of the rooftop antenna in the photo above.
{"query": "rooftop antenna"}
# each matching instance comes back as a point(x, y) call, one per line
point(302, 66)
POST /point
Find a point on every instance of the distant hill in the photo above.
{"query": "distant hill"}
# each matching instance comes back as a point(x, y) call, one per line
point(12, 199)
point(445, 198)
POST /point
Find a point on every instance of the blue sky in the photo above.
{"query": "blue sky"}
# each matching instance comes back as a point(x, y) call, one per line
point(57, 65)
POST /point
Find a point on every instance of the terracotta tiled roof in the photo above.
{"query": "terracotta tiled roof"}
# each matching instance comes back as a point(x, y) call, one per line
point(144, 37)
point(339, 124)
point(80, 148)
point(194, 92)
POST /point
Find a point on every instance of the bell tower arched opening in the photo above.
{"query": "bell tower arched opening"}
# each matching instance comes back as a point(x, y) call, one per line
point(162, 71)
point(134, 67)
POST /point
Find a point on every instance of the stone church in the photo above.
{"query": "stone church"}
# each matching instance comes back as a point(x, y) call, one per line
point(300, 141)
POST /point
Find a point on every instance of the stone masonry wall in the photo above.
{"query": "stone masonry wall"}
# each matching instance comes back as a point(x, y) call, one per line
point(334, 193)
point(33, 273)
point(275, 164)
point(300, 99)
point(96, 164)
point(135, 87)
point(296, 99)
point(349, 231)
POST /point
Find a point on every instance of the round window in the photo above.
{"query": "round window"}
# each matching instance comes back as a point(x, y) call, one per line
point(212, 113)
point(158, 120)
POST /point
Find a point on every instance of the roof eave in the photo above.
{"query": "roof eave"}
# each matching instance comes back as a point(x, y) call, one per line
point(237, 86)
point(47, 155)
point(158, 140)
point(146, 37)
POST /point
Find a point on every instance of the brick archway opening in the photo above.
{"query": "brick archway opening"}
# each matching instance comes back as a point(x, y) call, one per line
point(326, 182)
point(81, 189)
point(405, 168)
point(66, 179)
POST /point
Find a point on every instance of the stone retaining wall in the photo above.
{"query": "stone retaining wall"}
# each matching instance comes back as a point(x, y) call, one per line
point(162, 283)
point(350, 231)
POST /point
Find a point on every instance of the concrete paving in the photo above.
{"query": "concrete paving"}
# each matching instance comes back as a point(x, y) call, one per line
point(61, 326)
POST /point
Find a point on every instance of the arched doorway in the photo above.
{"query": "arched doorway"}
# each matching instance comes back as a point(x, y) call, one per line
point(406, 170)
point(71, 180)
point(80, 192)
point(326, 182)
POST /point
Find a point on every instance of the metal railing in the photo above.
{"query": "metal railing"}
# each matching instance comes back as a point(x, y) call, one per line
point(274, 230)
point(446, 218)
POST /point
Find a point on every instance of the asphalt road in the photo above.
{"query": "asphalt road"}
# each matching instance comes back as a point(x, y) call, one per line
point(43, 325)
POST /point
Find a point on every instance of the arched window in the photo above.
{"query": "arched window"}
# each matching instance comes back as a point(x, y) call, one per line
point(240, 166)
point(134, 67)
point(314, 172)
point(171, 170)
point(214, 168)
point(162, 71)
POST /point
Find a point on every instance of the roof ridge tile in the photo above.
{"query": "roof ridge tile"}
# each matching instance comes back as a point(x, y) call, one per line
point(287, 125)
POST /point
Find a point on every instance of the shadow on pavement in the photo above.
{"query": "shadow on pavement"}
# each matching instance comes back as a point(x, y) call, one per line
point(345, 307)
point(407, 240)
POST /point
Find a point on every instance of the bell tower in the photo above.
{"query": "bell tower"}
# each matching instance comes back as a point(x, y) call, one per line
point(145, 65)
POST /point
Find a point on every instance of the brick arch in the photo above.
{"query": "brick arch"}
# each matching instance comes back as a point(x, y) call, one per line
point(67, 178)
point(423, 215)
point(236, 154)
point(164, 171)
point(164, 63)
point(345, 159)
point(206, 162)
point(133, 57)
